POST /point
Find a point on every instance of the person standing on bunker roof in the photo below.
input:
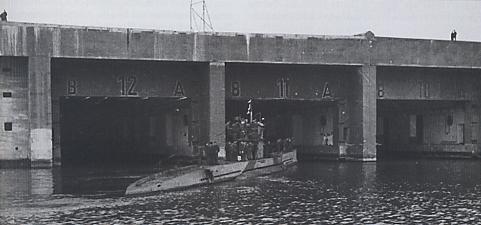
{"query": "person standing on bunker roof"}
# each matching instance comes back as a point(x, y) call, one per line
point(3, 15)
point(453, 35)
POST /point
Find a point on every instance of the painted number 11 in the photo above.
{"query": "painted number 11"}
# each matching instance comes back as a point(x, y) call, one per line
point(127, 85)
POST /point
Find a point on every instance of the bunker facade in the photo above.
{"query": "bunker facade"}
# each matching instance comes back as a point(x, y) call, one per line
point(83, 94)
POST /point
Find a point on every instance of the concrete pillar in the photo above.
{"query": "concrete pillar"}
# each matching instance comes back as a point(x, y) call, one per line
point(40, 110)
point(361, 143)
point(468, 115)
point(216, 104)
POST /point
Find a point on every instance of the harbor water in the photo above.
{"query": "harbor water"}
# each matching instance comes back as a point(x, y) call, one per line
point(393, 191)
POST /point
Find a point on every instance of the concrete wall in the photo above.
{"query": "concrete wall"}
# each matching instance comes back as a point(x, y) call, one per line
point(307, 49)
point(303, 81)
point(415, 83)
point(24, 39)
point(14, 144)
point(125, 78)
point(428, 53)
point(70, 41)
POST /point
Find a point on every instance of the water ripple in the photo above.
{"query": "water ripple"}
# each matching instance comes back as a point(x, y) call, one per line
point(326, 193)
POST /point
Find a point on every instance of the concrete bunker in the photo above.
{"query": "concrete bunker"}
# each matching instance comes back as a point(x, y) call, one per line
point(300, 102)
point(427, 111)
point(123, 130)
point(125, 111)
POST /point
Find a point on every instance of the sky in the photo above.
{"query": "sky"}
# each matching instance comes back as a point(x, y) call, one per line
point(427, 19)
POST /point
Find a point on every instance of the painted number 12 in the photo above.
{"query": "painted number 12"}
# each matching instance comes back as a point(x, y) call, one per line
point(127, 85)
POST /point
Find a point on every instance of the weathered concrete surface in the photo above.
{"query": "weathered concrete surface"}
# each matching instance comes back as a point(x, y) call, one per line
point(435, 53)
point(14, 144)
point(13, 40)
point(141, 78)
point(260, 80)
point(308, 49)
point(25, 39)
point(361, 143)
point(40, 110)
point(217, 105)
point(425, 83)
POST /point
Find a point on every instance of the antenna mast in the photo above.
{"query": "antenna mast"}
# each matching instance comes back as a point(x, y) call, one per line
point(195, 16)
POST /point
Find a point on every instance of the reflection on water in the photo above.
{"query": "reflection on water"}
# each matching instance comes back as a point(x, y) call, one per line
point(22, 184)
point(408, 191)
